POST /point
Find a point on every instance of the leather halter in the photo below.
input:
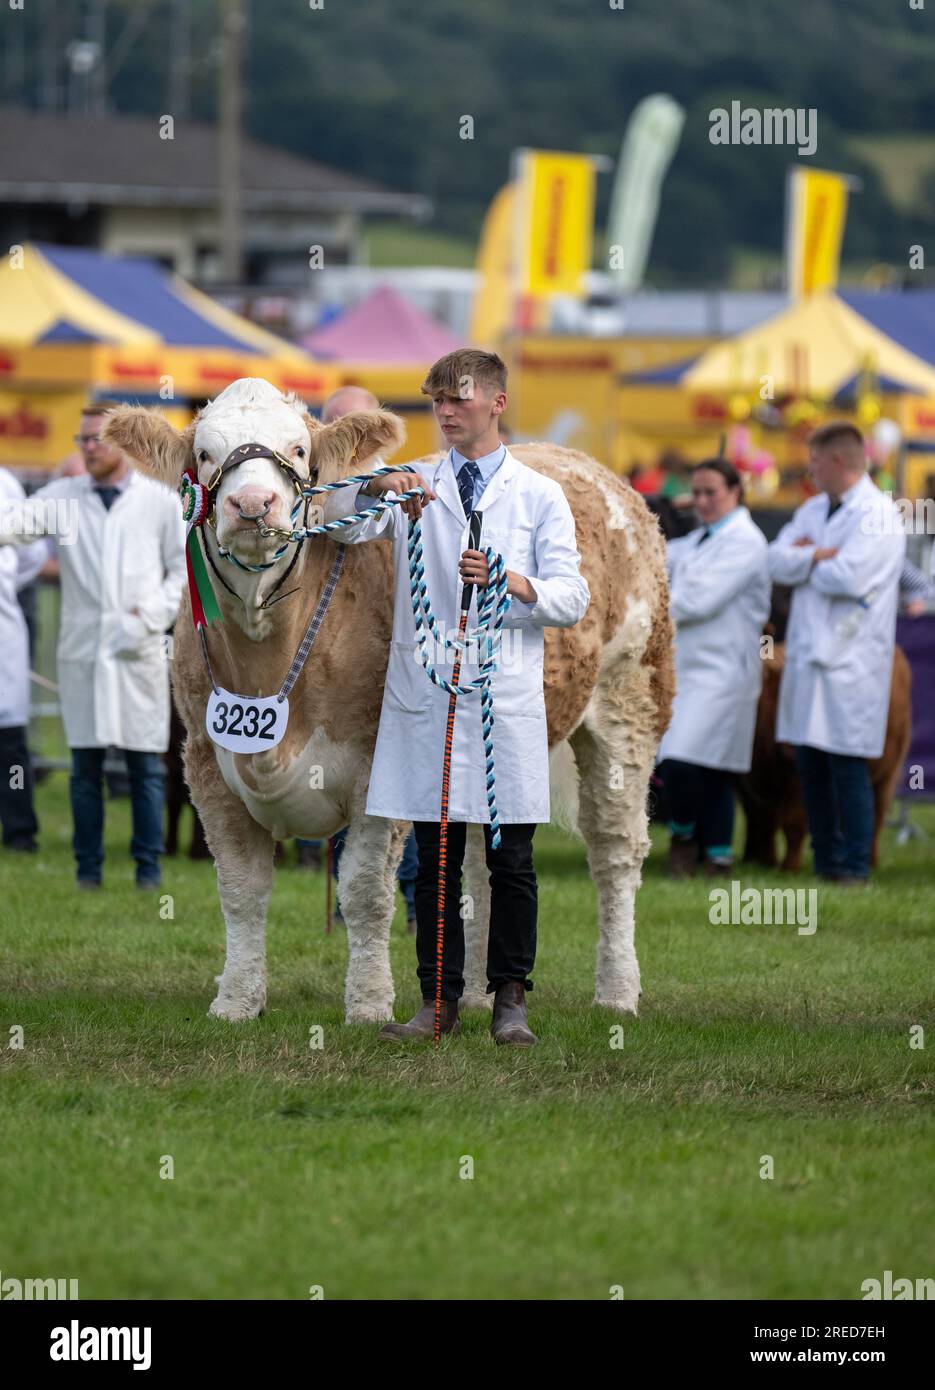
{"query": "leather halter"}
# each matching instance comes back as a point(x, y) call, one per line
point(258, 451)
point(235, 458)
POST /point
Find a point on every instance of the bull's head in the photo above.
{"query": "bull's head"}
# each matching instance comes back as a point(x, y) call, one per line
point(252, 411)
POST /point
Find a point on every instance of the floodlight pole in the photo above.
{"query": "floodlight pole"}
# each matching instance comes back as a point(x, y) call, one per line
point(229, 113)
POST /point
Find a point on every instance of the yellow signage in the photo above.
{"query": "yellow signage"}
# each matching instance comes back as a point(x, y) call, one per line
point(556, 221)
point(816, 214)
point(492, 312)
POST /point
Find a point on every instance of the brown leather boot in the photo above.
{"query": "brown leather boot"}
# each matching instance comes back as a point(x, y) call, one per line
point(683, 858)
point(509, 1016)
point(715, 868)
point(422, 1025)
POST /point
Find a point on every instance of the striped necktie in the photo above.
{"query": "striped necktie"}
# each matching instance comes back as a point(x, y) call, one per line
point(469, 472)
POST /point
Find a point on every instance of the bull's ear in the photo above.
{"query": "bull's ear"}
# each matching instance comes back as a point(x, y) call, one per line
point(348, 445)
point(153, 446)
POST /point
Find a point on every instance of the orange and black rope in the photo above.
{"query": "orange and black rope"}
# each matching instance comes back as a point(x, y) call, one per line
point(443, 837)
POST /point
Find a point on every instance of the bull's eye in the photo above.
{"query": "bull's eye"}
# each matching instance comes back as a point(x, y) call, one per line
point(202, 456)
point(299, 452)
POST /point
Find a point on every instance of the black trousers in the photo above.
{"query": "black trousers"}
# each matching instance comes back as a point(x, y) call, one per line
point(511, 948)
point(701, 804)
point(17, 815)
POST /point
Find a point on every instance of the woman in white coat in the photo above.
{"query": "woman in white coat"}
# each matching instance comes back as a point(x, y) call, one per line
point(720, 597)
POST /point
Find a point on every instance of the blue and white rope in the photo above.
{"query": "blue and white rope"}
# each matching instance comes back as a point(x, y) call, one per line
point(303, 533)
point(493, 605)
point(492, 608)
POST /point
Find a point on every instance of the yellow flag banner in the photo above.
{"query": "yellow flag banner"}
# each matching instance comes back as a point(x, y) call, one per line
point(816, 214)
point(492, 310)
point(556, 221)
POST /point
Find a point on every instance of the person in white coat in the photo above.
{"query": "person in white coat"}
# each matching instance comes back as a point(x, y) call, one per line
point(526, 519)
point(121, 547)
point(17, 569)
point(719, 600)
point(842, 553)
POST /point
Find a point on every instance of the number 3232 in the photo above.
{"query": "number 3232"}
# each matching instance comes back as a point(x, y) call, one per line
point(243, 724)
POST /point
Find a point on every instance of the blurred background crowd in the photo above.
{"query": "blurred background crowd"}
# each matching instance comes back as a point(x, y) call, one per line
point(195, 192)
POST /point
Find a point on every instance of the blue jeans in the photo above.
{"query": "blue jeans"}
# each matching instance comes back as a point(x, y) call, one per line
point(147, 798)
point(839, 802)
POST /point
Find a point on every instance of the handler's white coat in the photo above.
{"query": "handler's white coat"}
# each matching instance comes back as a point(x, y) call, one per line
point(719, 600)
point(526, 519)
point(112, 666)
point(17, 568)
point(835, 687)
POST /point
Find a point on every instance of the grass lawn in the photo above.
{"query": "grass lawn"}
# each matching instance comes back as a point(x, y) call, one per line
point(593, 1166)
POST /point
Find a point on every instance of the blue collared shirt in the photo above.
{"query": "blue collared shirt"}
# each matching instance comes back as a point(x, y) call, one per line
point(487, 465)
point(716, 525)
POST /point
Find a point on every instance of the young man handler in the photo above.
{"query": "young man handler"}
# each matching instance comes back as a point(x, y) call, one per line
point(527, 520)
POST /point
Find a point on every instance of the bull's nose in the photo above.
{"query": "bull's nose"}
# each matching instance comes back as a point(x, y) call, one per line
point(250, 503)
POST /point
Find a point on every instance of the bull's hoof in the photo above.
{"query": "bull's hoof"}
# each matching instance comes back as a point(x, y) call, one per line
point(627, 1004)
point(236, 1010)
point(369, 1013)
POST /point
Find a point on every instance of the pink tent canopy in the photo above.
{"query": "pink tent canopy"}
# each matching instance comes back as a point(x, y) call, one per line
point(384, 327)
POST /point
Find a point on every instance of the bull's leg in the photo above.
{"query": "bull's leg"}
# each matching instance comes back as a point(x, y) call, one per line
point(198, 848)
point(614, 766)
point(175, 800)
point(399, 834)
point(795, 829)
point(366, 892)
point(762, 824)
point(476, 879)
point(884, 789)
point(243, 855)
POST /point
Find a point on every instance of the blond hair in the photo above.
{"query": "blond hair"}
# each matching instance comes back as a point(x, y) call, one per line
point(460, 371)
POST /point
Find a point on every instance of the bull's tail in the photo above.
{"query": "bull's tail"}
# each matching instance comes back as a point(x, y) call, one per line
point(563, 787)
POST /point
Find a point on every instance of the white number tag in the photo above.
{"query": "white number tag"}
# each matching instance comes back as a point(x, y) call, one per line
point(245, 723)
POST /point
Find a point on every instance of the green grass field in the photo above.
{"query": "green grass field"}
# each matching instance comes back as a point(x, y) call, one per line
point(339, 1167)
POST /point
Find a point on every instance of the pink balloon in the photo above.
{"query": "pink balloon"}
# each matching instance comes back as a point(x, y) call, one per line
point(740, 442)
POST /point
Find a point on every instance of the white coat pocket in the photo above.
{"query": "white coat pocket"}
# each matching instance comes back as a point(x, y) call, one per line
point(131, 637)
point(837, 637)
point(408, 686)
point(517, 683)
point(516, 546)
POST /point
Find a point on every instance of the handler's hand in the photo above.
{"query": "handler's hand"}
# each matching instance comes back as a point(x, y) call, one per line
point(473, 568)
point(826, 552)
point(803, 540)
point(403, 482)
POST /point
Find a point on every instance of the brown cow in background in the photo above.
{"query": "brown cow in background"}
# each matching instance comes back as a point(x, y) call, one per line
point(771, 792)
